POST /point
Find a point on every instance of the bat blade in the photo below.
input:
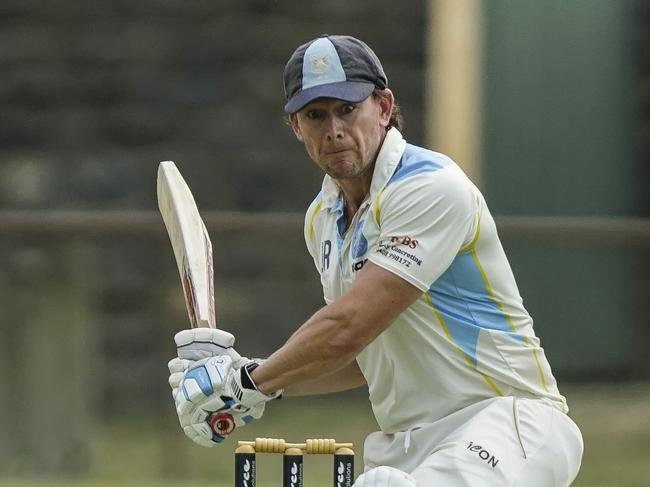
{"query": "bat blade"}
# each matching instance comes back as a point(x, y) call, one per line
point(191, 243)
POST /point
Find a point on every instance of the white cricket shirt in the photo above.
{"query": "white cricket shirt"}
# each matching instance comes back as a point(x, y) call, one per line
point(468, 337)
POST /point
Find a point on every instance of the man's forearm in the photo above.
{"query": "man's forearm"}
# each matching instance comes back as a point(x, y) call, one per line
point(349, 377)
point(333, 337)
point(323, 345)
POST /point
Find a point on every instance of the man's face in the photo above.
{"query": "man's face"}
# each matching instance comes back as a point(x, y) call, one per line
point(343, 138)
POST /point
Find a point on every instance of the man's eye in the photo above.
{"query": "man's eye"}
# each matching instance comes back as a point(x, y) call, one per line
point(349, 108)
point(313, 114)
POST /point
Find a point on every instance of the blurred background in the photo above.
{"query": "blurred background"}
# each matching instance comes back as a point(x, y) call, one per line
point(546, 105)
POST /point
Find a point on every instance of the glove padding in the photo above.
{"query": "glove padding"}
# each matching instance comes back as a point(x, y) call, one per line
point(213, 386)
point(200, 343)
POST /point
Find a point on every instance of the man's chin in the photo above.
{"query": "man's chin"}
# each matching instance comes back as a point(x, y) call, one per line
point(341, 170)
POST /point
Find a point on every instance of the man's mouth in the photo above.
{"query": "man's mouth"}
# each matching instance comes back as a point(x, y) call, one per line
point(338, 151)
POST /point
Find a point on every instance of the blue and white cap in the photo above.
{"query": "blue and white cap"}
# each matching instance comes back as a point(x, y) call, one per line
point(336, 66)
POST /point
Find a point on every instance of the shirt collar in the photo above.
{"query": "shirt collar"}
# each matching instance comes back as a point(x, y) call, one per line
point(387, 160)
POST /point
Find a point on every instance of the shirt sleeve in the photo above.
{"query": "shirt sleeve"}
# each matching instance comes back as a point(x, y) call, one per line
point(424, 221)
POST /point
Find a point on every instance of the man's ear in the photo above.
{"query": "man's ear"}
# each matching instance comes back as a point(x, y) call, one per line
point(386, 103)
point(293, 120)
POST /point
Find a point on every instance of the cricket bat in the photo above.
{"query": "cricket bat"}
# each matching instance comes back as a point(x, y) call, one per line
point(193, 252)
point(191, 244)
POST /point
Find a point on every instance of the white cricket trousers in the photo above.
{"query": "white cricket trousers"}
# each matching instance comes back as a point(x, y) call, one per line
point(499, 442)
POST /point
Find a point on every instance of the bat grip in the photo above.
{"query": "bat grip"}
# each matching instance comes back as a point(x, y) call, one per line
point(222, 423)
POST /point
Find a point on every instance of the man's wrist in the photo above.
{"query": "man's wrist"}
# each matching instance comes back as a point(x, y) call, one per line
point(249, 381)
point(246, 377)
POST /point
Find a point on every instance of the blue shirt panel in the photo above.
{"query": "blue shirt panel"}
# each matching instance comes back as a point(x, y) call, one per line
point(417, 160)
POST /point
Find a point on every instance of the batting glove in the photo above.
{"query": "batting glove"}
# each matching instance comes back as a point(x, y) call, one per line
point(203, 408)
point(200, 343)
point(197, 344)
point(241, 388)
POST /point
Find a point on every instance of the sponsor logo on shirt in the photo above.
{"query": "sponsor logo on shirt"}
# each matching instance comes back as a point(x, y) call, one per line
point(404, 240)
point(399, 249)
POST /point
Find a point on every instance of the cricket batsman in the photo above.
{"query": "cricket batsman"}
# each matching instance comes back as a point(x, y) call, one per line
point(421, 305)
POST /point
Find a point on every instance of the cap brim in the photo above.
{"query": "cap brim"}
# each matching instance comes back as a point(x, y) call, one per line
point(352, 91)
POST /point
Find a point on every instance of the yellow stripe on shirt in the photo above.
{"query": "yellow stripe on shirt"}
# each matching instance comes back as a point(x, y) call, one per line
point(378, 207)
point(311, 219)
point(488, 287)
point(478, 231)
point(487, 379)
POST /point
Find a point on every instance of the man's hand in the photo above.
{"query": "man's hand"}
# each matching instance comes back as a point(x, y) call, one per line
point(212, 389)
point(198, 389)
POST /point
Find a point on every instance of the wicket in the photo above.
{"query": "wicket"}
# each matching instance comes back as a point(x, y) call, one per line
point(292, 473)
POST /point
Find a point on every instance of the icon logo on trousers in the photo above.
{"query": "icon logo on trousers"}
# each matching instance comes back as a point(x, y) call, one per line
point(483, 454)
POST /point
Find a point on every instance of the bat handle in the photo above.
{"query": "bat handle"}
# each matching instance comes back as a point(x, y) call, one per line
point(222, 423)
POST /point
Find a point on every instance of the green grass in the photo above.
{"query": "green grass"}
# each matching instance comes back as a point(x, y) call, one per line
point(615, 424)
point(615, 421)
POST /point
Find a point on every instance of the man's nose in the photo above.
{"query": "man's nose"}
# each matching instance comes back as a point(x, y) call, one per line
point(334, 128)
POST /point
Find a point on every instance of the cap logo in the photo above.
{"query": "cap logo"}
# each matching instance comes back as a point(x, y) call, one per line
point(319, 64)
